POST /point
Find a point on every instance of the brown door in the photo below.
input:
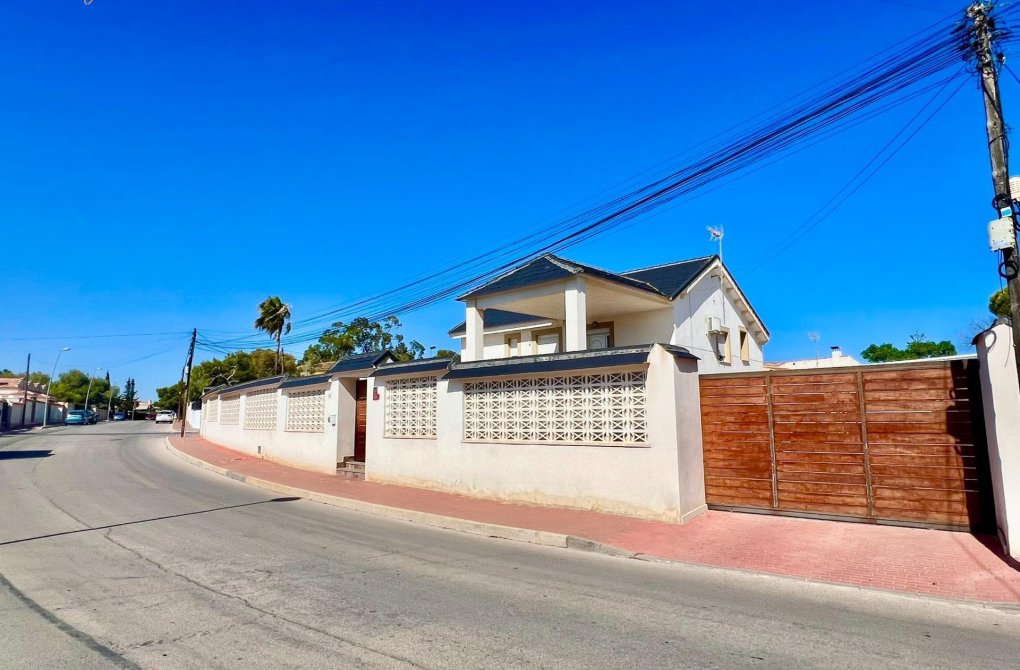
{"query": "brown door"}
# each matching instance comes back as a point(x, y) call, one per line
point(361, 400)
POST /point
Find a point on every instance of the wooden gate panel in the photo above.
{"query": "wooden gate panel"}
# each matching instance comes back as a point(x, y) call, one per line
point(738, 457)
point(819, 452)
point(922, 438)
point(901, 443)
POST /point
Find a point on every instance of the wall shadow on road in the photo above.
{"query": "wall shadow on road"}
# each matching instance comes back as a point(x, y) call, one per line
point(28, 453)
point(155, 518)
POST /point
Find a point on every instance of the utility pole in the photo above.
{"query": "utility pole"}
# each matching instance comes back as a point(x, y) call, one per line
point(24, 408)
point(187, 385)
point(984, 35)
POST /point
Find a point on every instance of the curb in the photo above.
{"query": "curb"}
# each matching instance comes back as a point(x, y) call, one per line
point(539, 537)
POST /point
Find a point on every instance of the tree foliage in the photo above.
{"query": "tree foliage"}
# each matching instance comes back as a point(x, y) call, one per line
point(129, 398)
point(917, 347)
point(998, 303)
point(235, 368)
point(360, 336)
point(73, 387)
point(274, 319)
point(35, 377)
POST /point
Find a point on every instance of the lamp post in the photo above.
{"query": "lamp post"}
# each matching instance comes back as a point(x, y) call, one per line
point(46, 414)
point(89, 391)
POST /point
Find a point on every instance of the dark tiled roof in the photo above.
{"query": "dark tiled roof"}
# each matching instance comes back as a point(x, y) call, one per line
point(306, 381)
point(575, 360)
point(497, 318)
point(550, 268)
point(413, 367)
point(272, 382)
point(360, 361)
point(672, 278)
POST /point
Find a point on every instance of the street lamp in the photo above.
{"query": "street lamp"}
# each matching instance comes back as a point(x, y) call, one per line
point(46, 414)
point(90, 390)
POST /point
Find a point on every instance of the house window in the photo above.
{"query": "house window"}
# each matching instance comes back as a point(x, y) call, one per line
point(582, 409)
point(745, 347)
point(548, 342)
point(598, 339)
point(410, 409)
point(306, 411)
point(722, 346)
point(260, 410)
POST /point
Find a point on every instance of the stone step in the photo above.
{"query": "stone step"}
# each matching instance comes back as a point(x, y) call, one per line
point(350, 474)
point(351, 469)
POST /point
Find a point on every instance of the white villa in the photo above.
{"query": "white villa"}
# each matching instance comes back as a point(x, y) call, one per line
point(551, 305)
point(575, 386)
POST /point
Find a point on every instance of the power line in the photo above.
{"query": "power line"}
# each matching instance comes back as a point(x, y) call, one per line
point(883, 84)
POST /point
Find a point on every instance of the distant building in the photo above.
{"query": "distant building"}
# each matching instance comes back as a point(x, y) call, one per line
point(13, 393)
point(837, 360)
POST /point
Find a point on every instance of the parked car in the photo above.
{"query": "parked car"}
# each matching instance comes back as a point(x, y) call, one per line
point(164, 416)
point(80, 417)
point(119, 416)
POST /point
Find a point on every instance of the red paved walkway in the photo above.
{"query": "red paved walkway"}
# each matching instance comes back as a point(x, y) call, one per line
point(913, 560)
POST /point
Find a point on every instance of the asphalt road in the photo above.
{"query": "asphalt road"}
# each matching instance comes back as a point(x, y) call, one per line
point(114, 553)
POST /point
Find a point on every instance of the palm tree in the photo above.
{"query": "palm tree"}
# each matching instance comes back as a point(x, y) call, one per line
point(274, 319)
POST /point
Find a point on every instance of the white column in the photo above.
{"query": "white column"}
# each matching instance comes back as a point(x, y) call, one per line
point(1001, 401)
point(576, 331)
point(527, 346)
point(475, 341)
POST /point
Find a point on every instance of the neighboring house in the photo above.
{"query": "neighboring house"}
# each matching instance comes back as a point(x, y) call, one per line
point(837, 360)
point(551, 305)
point(13, 394)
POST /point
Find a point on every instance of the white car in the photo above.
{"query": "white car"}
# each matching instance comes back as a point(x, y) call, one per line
point(165, 416)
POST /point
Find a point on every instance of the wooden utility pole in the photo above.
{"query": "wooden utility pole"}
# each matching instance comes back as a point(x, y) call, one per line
point(984, 35)
point(187, 385)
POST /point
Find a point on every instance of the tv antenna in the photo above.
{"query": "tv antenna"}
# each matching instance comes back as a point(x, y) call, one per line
point(716, 234)
point(814, 337)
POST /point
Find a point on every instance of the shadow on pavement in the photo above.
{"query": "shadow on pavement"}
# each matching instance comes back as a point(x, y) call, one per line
point(29, 453)
point(155, 518)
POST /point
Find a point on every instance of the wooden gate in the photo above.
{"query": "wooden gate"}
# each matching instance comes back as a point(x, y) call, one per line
point(892, 443)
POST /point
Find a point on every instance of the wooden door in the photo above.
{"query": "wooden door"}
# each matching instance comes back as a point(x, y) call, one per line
point(360, 419)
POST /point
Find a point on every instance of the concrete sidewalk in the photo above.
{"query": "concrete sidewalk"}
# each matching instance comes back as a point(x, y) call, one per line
point(909, 560)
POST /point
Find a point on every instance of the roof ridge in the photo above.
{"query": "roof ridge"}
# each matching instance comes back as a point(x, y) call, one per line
point(570, 266)
point(665, 265)
point(509, 272)
point(588, 266)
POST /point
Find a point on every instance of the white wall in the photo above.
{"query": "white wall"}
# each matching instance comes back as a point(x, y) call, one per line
point(312, 451)
point(643, 327)
point(642, 481)
point(1001, 398)
point(691, 312)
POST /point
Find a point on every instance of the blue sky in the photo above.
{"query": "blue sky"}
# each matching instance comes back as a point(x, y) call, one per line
point(168, 165)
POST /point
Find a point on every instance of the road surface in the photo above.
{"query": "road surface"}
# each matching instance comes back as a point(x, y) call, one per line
point(114, 553)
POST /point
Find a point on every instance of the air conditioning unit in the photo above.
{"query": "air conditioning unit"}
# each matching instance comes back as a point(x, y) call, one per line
point(714, 325)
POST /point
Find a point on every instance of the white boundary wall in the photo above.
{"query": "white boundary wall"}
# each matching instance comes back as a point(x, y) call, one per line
point(661, 479)
point(1001, 398)
point(312, 450)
